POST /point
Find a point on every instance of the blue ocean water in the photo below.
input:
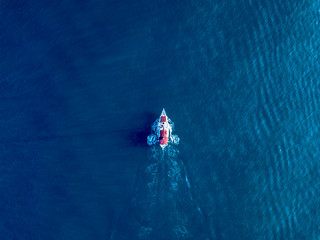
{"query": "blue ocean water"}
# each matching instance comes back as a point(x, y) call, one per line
point(81, 83)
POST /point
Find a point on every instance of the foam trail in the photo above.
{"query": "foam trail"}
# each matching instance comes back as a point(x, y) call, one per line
point(189, 188)
point(163, 206)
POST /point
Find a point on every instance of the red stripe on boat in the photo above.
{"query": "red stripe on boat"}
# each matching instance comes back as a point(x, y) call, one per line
point(163, 118)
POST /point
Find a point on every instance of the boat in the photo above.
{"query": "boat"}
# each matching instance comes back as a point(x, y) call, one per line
point(161, 132)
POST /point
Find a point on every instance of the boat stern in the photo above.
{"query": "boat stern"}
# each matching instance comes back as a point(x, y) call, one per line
point(163, 146)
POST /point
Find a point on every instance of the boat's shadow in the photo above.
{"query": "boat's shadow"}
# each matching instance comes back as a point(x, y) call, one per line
point(138, 137)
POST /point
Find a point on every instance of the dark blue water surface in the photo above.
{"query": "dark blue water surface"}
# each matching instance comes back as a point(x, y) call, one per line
point(82, 81)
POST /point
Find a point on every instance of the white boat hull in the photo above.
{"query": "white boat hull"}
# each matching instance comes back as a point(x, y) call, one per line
point(162, 132)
